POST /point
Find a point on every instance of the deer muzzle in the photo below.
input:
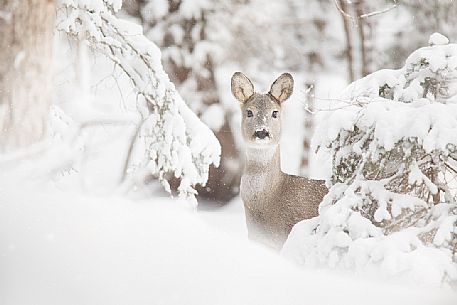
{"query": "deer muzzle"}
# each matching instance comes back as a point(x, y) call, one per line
point(261, 134)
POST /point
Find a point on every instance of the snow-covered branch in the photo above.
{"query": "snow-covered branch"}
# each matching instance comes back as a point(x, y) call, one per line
point(171, 140)
point(392, 184)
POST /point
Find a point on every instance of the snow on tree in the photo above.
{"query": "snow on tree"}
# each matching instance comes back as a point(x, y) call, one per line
point(171, 141)
point(392, 199)
point(26, 31)
point(184, 30)
point(204, 42)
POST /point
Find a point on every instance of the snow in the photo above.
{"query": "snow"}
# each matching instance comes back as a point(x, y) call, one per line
point(407, 114)
point(376, 218)
point(214, 117)
point(97, 5)
point(193, 8)
point(170, 139)
point(155, 9)
point(63, 247)
point(438, 39)
point(365, 249)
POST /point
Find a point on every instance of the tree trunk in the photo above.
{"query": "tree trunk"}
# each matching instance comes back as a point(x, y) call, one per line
point(362, 40)
point(308, 126)
point(26, 31)
point(348, 36)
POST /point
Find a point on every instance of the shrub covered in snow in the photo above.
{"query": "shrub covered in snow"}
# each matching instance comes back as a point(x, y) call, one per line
point(170, 139)
point(392, 199)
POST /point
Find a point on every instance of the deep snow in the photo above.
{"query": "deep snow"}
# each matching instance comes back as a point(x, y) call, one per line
point(61, 247)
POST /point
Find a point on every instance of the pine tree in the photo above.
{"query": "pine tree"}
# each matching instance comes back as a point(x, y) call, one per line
point(394, 160)
point(182, 31)
point(171, 141)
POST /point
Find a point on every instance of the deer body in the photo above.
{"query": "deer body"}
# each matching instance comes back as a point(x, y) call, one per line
point(274, 201)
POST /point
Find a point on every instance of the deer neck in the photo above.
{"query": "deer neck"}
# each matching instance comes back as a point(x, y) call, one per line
point(262, 168)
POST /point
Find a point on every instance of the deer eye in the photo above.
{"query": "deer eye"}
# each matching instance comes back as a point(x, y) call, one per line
point(275, 114)
point(249, 113)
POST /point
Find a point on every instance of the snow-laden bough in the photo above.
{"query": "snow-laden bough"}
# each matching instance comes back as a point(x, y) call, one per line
point(392, 202)
point(171, 140)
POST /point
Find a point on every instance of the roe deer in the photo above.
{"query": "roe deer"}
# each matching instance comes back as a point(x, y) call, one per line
point(273, 201)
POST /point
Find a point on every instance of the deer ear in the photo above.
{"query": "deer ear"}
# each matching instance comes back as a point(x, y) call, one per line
point(282, 87)
point(242, 88)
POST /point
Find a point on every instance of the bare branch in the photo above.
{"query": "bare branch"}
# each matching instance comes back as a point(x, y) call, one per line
point(380, 11)
point(343, 12)
point(363, 16)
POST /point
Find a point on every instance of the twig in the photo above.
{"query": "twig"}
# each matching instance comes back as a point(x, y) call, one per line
point(343, 12)
point(363, 16)
point(379, 11)
point(451, 168)
point(130, 151)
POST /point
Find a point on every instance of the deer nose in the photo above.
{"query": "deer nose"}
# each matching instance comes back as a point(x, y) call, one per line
point(261, 134)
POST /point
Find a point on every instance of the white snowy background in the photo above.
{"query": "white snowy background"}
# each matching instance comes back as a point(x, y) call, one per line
point(71, 234)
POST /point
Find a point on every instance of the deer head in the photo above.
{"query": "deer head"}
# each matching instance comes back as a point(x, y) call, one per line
point(261, 113)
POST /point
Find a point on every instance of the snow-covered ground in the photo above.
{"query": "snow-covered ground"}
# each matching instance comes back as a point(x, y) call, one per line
point(62, 247)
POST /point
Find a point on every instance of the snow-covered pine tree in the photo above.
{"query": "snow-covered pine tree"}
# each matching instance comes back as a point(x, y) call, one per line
point(26, 31)
point(171, 141)
point(182, 29)
point(392, 199)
